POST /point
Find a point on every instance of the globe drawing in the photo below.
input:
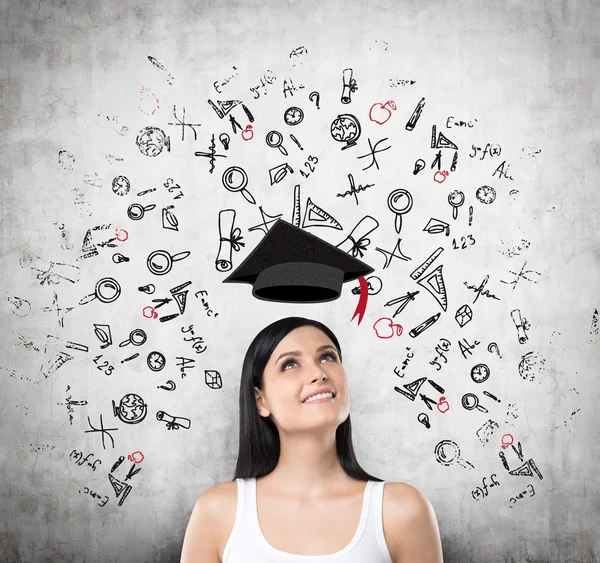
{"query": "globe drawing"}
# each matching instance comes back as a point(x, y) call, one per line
point(345, 128)
point(131, 409)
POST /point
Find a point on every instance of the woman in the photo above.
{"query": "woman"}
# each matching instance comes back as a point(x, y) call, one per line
point(297, 473)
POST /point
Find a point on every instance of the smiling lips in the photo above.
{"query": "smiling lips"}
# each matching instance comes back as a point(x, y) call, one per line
point(320, 398)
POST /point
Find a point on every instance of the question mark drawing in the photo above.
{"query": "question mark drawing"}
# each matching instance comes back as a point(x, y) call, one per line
point(170, 386)
point(315, 96)
point(494, 347)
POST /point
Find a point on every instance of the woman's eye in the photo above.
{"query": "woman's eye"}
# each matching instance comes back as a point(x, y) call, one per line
point(332, 356)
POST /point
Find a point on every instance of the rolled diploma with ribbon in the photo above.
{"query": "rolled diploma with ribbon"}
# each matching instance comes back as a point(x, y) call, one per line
point(174, 421)
point(226, 220)
point(356, 239)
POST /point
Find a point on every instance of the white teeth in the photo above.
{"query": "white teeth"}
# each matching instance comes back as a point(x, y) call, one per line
point(319, 396)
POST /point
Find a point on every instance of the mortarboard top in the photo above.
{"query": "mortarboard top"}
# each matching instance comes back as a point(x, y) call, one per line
point(294, 266)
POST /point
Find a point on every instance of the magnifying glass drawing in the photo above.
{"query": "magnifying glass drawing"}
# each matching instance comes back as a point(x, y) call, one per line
point(235, 179)
point(274, 140)
point(107, 290)
point(470, 402)
point(136, 212)
point(447, 453)
point(456, 199)
point(136, 337)
point(160, 262)
point(400, 202)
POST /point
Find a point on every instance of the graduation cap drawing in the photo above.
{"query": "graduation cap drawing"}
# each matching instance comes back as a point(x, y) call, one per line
point(293, 266)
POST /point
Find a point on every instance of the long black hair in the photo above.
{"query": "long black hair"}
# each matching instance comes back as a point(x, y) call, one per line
point(259, 445)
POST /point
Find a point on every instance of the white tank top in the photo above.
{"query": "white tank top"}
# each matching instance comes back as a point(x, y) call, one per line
point(246, 543)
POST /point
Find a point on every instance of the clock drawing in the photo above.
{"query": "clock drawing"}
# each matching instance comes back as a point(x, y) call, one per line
point(121, 185)
point(156, 361)
point(480, 373)
point(293, 116)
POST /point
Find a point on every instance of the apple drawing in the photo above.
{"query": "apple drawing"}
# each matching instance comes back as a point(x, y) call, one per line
point(247, 134)
point(380, 113)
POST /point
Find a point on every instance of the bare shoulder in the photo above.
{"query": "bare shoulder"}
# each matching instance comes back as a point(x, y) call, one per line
point(207, 524)
point(410, 525)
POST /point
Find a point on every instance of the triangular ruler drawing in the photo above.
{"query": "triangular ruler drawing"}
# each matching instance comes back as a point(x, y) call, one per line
point(411, 388)
point(224, 107)
point(88, 245)
point(118, 486)
point(444, 143)
point(314, 216)
point(434, 283)
point(181, 299)
point(296, 213)
point(523, 471)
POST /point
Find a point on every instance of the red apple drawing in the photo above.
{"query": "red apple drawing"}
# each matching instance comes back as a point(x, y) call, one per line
point(380, 113)
point(247, 134)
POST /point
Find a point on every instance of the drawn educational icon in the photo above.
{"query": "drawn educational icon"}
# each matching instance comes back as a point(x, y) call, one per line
point(520, 325)
point(103, 334)
point(391, 255)
point(463, 315)
point(444, 143)
point(411, 389)
point(380, 113)
point(103, 431)
point(118, 258)
point(223, 108)
point(213, 379)
point(315, 216)
point(400, 202)
point(353, 189)
point(384, 328)
point(121, 185)
point(526, 470)
point(436, 226)
point(374, 285)
point(225, 139)
point(235, 179)
point(456, 198)
point(151, 141)
point(493, 397)
point(493, 347)
point(447, 453)
point(294, 266)
point(440, 176)
point(412, 120)
point(169, 221)
point(422, 327)
point(424, 420)
point(274, 140)
point(248, 114)
point(156, 361)
point(470, 401)
point(480, 373)
point(107, 290)
point(420, 270)
point(278, 173)
point(486, 194)
point(132, 409)
point(264, 226)
point(211, 155)
point(173, 422)
point(316, 97)
point(434, 284)
point(137, 337)
point(235, 126)
point(296, 208)
point(296, 141)
point(160, 262)
point(356, 242)
point(149, 289)
point(403, 301)
point(182, 123)
point(229, 240)
point(180, 296)
point(293, 116)
point(454, 161)
point(374, 151)
point(349, 85)
point(121, 489)
point(419, 165)
point(170, 386)
point(345, 128)
point(136, 211)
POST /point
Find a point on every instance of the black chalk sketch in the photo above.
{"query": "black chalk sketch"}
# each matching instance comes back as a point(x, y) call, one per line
point(420, 270)
point(169, 77)
point(403, 301)
point(374, 285)
point(230, 238)
point(373, 152)
point(349, 85)
point(66, 160)
point(479, 290)
point(491, 396)
point(137, 337)
point(19, 307)
point(103, 431)
point(390, 255)
point(274, 139)
point(121, 489)
point(316, 97)
point(444, 143)
point(223, 108)
point(149, 288)
point(356, 242)
point(454, 162)
point(151, 141)
point(264, 226)
point(486, 194)
point(136, 211)
point(293, 116)
point(278, 173)
point(103, 334)
point(480, 373)
point(422, 327)
point(411, 389)
point(465, 348)
point(160, 262)
point(400, 202)
point(353, 190)
point(55, 308)
point(345, 128)
point(463, 315)
point(419, 165)
point(131, 409)
point(522, 274)
point(169, 220)
point(212, 155)
point(315, 216)
point(487, 430)
point(107, 290)
point(173, 422)
point(225, 139)
point(424, 420)
point(181, 122)
point(118, 258)
point(493, 347)
point(170, 386)
point(456, 199)
point(435, 285)
point(521, 325)
point(531, 365)
point(412, 121)
point(156, 361)
point(121, 185)
point(447, 453)
point(235, 179)
point(437, 226)
point(296, 141)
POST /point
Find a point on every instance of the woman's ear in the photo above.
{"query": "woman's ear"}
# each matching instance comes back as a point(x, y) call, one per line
point(260, 405)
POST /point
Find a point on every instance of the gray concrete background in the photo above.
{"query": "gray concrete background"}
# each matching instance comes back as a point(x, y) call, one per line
point(77, 87)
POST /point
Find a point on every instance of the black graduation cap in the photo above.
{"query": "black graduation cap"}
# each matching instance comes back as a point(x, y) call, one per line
point(294, 266)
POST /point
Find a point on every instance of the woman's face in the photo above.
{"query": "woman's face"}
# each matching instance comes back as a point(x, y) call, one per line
point(295, 371)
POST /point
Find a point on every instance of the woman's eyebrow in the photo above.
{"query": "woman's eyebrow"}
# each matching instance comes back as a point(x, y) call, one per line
point(298, 353)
